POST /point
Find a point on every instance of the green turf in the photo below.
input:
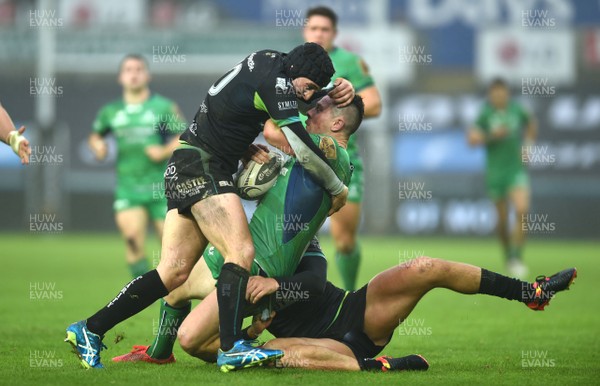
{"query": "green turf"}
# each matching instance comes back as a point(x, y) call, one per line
point(467, 339)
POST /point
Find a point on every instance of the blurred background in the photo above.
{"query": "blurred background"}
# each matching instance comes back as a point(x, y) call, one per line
point(431, 60)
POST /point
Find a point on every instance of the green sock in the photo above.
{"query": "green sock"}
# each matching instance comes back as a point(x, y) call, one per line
point(348, 264)
point(515, 252)
point(170, 320)
point(139, 268)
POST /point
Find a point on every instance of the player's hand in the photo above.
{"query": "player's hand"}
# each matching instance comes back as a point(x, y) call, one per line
point(339, 201)
point(155, 152)
point(343, 92)
point(24, 149)
point(256, 152)
point(259, 286)
point(259, 325)
point(498, 133)
point(99, 148)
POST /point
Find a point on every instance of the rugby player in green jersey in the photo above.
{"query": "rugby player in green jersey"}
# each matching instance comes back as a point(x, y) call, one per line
point(506, 130)
point(321, 28)
point(142, 124)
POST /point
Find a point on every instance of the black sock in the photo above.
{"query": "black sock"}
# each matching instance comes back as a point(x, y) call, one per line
point(133, 298)
point(367, 364)
point(231, 296)
point(505, 287)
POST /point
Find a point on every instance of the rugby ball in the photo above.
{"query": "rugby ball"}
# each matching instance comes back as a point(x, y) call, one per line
point(256, 179)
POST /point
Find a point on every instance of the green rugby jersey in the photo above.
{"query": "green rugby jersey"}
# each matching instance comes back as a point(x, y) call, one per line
point(290, 214)
point(504, 155)
point(136, 126)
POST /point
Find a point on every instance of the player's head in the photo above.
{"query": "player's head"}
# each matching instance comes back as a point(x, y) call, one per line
point(133, 73)
point(321, 26)
point(498, 93)
point(327, 118)
point(310, 68)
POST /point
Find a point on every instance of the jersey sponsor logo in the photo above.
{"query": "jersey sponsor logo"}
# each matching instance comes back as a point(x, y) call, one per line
point(191, 186)
point(250, 61)
point(283, 84)
point(327, 146)
point(287, 105)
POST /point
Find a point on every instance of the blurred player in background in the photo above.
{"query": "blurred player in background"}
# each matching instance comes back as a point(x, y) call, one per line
point(505, 128)
point(13, 137)
point(321, 28)
point(142, 124)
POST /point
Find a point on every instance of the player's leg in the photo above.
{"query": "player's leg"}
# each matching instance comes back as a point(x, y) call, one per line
point(158, 210)
point(314, 354)
point(132, 223)
point(393, 294)
point(199, 333)
point(175, 307)
point(519, 197)
point(344, 228)
point(181, 245)
point(502, 227)
point(223, 221)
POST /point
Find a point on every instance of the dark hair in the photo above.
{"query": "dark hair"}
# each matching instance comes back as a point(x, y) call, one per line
point(323, 11)
point(354, 114)
point(139, 57)
point(498, 82)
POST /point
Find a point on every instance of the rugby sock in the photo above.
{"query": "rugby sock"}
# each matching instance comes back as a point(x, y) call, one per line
point(367, 364)
point(133, 298)
point(348, 264)
point(505, 287)
point(139, 267)
point(515, 252)
point(170, 320)
point(231, 296)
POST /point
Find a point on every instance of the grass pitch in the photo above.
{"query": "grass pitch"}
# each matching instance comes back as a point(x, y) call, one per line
point(50, 281)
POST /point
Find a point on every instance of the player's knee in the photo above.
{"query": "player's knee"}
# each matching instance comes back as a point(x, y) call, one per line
point(171, 275)
point(242, 255)
point(345, 242)
point(425, 265)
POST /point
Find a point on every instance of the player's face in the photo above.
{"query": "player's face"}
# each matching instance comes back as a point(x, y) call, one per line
point(134, 75)
point(320, 117)
point(305, 88)
point(319, 29)
point(499, 96)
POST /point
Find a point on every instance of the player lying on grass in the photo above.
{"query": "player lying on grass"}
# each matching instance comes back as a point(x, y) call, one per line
point(13, 137)
point(203, 204)
point(285, 221)
point(343, 330)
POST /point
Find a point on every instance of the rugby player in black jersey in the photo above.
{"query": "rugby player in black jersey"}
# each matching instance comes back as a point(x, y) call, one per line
point(329, 328)
point(202, 199)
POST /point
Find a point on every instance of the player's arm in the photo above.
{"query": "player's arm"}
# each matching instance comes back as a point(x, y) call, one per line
point(170, 131)
point(100, 128)
point(306, 151)
point(13, 137)
point(531, 130)
point(310, 276)
point(275, 137)
point(372, 101)
point(358, 74)
point(475, 136)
